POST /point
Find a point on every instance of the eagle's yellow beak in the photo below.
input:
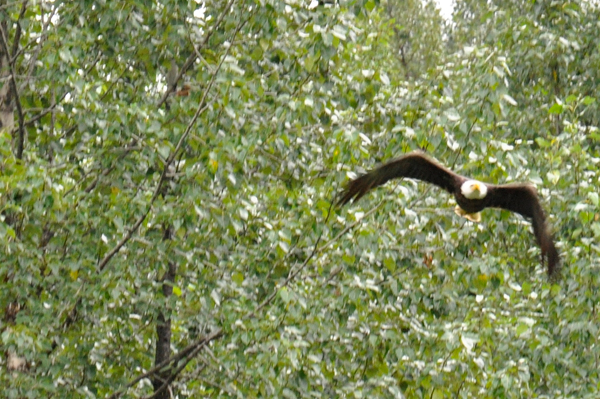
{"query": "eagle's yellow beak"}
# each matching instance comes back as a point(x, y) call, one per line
point(475, 186)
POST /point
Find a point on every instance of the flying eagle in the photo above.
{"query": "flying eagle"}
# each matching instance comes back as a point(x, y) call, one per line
point(472, 196)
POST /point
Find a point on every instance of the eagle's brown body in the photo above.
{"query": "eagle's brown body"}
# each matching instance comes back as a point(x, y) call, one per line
point(519, 198)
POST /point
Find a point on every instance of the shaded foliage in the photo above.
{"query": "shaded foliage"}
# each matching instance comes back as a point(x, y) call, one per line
point(275, 292)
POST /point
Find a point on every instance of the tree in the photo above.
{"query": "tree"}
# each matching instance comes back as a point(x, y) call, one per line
point(174, 236)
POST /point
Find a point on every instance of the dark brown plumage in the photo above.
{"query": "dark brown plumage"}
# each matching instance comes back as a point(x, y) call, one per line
point(519, 198)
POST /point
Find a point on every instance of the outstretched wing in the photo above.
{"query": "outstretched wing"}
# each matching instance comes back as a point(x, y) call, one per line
point(523, 199)
point(414, 165)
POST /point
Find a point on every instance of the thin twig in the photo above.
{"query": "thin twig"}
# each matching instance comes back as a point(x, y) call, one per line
point(41, 40)
point(292, 275)
point(185, 353)
point(56, 103)
point(202, 106)
point(350, 227)
point(15, 46)
point(192, 56)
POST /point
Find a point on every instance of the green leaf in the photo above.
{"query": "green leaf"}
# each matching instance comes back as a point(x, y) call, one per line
point(570, 99)
point(593, 196)
point(556, 109)
point(437, 394)
point(596, 229)
point(237, 278)
point(176, 290)
point(521, 329)
point(389, 263)
point(284, 295)
point(542, 142)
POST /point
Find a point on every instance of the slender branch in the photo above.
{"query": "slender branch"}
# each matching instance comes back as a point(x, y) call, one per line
point(292, 275)
point(15, 46)
point(316, 250)
point(186, 353)
point(469, 132)
point(45, 111)
point(175, 373)
point(351, 226)
point(193, 57)
point(135, 226)
point(40, 41)
point(114, 82)
point(202, 106)
point(55, 103)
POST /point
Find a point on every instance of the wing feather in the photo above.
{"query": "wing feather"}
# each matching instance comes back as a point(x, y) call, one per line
point(414, 165)
point(523, 199)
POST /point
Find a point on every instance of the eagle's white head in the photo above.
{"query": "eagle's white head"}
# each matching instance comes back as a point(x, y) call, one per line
point(473, 189)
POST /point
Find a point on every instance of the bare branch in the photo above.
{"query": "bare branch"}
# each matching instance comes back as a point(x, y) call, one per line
point(187, 354)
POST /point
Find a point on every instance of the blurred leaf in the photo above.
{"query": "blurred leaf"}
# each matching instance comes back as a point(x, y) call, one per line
point(556, 109)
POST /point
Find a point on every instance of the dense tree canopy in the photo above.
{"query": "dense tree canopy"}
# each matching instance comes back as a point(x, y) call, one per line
point(170, 231)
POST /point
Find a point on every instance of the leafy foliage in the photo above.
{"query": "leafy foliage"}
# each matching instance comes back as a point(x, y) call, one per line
point(231, 178)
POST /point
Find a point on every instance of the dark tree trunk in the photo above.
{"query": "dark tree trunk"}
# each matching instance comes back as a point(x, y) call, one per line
point(163, 333)
point(163, 337)
point(7, 106)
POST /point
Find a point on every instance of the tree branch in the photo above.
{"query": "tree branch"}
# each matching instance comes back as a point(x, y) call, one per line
point(202, 106)
point(187, 353)
point(292, 275)
point(15, 46)
point(193, 56)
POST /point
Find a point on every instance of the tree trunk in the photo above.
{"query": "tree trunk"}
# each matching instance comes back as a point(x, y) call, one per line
point(7, 106)
point(163, 334)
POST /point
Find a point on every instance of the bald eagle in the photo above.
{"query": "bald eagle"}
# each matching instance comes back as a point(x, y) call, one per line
point(472, 196)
